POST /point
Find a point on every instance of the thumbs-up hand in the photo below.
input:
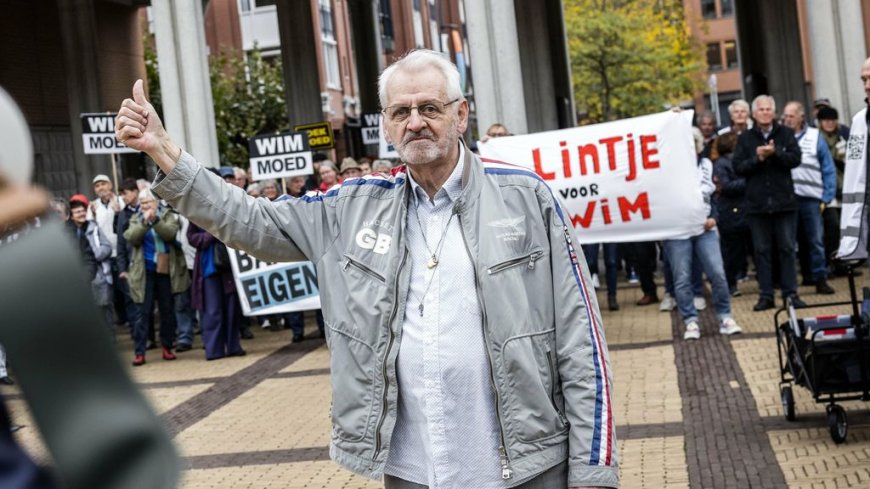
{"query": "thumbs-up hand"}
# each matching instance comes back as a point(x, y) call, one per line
point(139, 127)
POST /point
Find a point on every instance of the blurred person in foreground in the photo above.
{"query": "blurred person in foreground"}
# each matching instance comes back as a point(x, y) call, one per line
point(498, 379)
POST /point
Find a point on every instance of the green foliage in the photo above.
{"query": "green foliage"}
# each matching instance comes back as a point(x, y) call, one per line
point(248, 100)
point(248, 97)
point(630, 57)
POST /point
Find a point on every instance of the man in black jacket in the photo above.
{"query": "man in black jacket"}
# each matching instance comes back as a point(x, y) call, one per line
point(765, 155)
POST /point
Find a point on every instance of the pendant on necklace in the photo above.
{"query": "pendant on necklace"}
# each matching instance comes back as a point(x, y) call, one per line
point(421, 309)
point(433, 262)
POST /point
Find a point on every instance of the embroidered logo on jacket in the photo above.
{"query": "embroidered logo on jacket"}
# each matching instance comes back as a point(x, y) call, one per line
point(368, 239)
point(513, 225)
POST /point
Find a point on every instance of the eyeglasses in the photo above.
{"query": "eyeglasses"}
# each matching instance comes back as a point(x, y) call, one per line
point(432, 109)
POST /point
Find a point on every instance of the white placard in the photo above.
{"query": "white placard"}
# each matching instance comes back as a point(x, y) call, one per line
point(273, 288)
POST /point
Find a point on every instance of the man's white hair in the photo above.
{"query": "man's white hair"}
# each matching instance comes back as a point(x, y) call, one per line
point(738, 103)
point(418, 60)
point(763, 98)
point(146, 195)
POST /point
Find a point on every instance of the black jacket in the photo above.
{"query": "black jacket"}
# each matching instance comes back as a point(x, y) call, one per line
point(125, 250)
point(769, 187)
point(731, 195)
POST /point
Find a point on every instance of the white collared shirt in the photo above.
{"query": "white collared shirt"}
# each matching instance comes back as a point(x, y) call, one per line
point(446, 433)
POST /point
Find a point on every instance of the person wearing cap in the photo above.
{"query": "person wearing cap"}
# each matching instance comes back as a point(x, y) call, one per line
point(104, 210)
point(350, 169)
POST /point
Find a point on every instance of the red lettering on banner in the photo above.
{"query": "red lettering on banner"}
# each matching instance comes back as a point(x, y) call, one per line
point(626, 209)
point(632, 165)
point(591, 151)
point(646, 152)
point(566, 159)
point(586, 219)
point(536, 155)
point(641, 204)
point(610, 143)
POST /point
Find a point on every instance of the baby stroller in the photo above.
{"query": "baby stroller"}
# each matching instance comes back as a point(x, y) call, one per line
point(828, 355)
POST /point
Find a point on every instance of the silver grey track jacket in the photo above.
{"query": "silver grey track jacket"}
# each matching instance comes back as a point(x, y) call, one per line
point(550, 368)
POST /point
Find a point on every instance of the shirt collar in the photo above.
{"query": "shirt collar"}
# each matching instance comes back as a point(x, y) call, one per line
point(452, 188)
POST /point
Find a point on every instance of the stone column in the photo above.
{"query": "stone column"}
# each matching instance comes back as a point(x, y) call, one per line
point(836, 38)
point(188, 109)
point(495, 64)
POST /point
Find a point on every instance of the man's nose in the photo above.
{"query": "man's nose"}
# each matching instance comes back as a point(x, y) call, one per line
point(416, 122)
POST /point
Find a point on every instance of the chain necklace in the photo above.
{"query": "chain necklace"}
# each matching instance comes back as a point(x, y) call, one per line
point(433, 256)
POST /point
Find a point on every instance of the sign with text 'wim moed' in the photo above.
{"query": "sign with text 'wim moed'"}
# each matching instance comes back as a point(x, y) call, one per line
point(371, 128)
point(273, 288)
point(279, 155)
point(98, 134)
point(320, 135)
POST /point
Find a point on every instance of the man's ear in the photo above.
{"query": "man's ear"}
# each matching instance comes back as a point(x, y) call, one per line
point(463, 116)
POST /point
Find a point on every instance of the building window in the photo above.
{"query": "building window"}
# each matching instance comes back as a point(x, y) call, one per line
point(714, 56)
point(418, 25)
point(434, 32)
point(386, 13)
point(726, 7)
point(730, 54)
point(330, 46)
point(708, 9)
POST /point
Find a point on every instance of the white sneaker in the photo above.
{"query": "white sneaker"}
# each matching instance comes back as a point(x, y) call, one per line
point(693, 332)
point(266, 324)
point(729, 327)
point(700, 303)
point(595, 283)
point(668, 303)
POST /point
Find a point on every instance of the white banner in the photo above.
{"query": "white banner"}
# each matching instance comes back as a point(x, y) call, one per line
point(273, 288)
point(622, 181)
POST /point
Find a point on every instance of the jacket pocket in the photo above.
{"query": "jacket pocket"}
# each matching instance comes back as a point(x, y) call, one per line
point(358, 266)
point(532, 389)
point(527, 259)
point(353, 365)
point(554, 385)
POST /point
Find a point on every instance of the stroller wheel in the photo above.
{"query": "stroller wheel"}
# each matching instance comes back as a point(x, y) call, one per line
point(837, 423)
point(787, 402)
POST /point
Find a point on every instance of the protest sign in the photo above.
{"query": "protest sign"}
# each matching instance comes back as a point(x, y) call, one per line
point(622, 181)
point(98, 134)
point(371, 128)
point(280, 155)
point(385, 150)
point(320, 135)
point(273, 288)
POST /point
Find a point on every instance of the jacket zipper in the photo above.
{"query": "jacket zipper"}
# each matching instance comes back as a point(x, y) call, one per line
point(506, 472)
point(553, 385)
point(386, 358)
point(531, 258)
point(363, 268)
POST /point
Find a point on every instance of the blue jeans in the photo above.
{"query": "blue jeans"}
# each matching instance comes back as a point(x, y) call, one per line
point(611, 262)
point(810, 222)
point(779, 227)
point(185, 316)
point(697, 276)
point(680, 254)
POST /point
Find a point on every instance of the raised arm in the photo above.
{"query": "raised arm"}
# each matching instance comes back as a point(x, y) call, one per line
point(289, 230)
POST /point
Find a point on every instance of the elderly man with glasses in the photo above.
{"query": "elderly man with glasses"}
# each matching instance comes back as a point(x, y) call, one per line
point(467, 348)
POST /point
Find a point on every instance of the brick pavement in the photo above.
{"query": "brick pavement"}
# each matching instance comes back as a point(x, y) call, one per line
point(703, 414)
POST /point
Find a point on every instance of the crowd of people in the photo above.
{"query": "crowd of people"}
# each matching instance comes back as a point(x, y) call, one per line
point(145, 257)
point(773, 186)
